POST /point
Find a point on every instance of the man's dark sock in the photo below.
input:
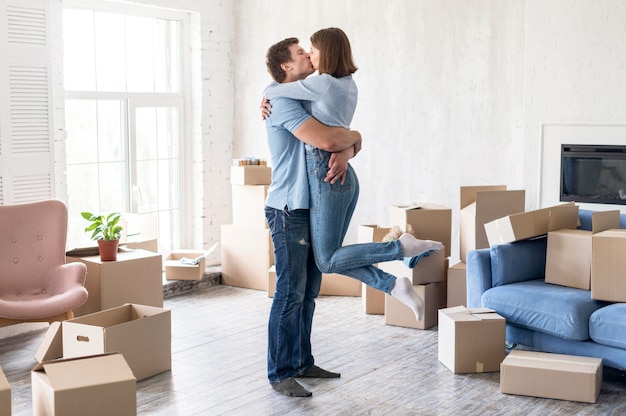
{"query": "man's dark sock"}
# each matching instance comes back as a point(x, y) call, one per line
point(290, 387)
point(316, 372)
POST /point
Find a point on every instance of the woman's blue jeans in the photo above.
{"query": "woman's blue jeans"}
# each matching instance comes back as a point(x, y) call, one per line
point(298, 282)
point(331, 209)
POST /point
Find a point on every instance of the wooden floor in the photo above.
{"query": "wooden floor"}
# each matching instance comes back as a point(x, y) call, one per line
point(219, 368)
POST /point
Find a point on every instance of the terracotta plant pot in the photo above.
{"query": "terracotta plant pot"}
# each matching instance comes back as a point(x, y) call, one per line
point(108, 249)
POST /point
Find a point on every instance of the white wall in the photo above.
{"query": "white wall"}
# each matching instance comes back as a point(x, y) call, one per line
point(452, 92)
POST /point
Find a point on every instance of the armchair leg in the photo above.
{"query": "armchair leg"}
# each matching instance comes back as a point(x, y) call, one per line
point(70, 314)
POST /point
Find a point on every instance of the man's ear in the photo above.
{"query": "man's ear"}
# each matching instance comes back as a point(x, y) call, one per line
point(285, 66)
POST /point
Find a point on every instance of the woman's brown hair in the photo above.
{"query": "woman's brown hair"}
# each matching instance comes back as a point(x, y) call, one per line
point(335, 52)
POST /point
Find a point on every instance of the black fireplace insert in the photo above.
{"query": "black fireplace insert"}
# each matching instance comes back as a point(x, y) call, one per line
point(593, 173)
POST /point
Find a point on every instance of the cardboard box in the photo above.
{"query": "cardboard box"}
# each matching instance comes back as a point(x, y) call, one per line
point(95, 385)
point(371, 233)
point(247, 254)
point(480, 205)
point(457, 285)
point(373, 299)
point(553, 376)
point(429, 221)
point(334, 284)
point(249, 205)
point(135, 277)
point(142, 333)
point(568, 255)
point(529, 224)
point(250, 175)
point(5, 395)
point(430, 269)
point(176, 270)
point(608, 265)
point(398, 314)
point(142, 232)
point(471, 340)
point(271, 281)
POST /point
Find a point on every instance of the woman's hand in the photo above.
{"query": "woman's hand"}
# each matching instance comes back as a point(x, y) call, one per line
point(265, 108)
point(338, 166)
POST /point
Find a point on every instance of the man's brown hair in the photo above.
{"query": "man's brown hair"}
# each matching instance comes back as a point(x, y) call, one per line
point(335, 52)
point(277, 55)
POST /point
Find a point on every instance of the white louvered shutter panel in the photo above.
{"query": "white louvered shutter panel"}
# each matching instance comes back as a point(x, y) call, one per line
point(26, 130)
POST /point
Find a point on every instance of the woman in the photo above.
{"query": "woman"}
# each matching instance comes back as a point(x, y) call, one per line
point(331, 98)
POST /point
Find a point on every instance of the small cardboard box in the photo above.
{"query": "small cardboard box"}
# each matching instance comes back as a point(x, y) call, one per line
point(471, 340)
point(608, 265)
point(429, 221)
point(529, 224)
point(373, 299)
point(480, 205)
point(135, 277)
point(93, 385)
point(552, 376)
point(568, 254)
point(250, 175)
point(247, 254)
point(142, 333)
point(334, 284)
point(249, 204)
point(5, 395)
point(398, 314)
point(457, 285)
point(177, 270)
point(430, 269)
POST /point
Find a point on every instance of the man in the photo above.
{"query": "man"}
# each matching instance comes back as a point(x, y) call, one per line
point(298, 279)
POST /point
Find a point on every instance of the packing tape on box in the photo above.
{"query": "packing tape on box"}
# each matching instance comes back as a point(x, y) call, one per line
point(479, 367)
point(554, 360)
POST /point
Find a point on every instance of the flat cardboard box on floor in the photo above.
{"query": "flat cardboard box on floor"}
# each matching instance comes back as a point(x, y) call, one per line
point(480, 205)
point(142, 333)
point(5, 395)
point(568, 254)
point(177, 270)
point(430, 269)
point(247, 254)
point(250, 175)
point(248, 205)
point(552, 376)
point(135, 277)
point(608, 265)
point(529, 224)
point(333, 284)
point(93, 385)
point(457, 285)
point(471, 340)
point(429, 221)
point(399, 314)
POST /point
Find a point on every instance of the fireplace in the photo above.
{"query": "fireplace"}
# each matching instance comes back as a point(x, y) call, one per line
point(593, 173)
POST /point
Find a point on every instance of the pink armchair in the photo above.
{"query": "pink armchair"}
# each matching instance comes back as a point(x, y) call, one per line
point(36, 285)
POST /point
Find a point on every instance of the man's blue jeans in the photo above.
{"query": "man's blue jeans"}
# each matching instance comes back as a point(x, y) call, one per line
point(298, 282)
point(331, 209)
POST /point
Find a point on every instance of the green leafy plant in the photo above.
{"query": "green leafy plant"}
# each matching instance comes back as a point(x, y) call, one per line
point(104, 228)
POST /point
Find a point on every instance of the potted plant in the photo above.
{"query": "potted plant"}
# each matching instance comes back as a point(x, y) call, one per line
point(106, 231)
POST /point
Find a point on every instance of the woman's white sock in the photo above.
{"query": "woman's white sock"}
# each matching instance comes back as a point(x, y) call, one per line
point(403, 291)
point(412, 246)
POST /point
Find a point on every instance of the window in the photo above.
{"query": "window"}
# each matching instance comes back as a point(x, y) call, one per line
point(124, 115)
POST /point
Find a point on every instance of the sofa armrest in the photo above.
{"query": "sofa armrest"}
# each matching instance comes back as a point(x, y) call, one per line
point(478, 275)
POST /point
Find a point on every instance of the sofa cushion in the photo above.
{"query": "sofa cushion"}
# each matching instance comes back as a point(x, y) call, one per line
point(519, 261)
point(556, 310)
point(607, 326)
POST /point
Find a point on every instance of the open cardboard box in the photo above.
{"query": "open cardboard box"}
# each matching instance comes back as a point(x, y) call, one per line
point(5, 395)
point(92, 385)
point(141, 333)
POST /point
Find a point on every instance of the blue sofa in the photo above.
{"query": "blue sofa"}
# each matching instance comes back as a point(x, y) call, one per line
point(509, 278)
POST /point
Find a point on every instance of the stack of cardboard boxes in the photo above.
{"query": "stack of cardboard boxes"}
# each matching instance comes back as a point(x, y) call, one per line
point(246, 244)
point(429, 222)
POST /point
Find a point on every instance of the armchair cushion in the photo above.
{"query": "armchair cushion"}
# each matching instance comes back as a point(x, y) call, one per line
point(607, 326)
point(519, 261)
